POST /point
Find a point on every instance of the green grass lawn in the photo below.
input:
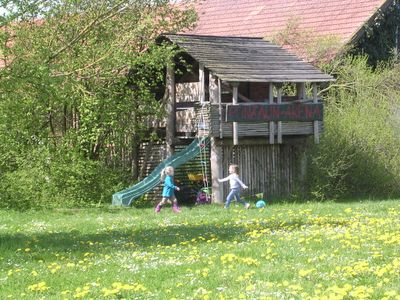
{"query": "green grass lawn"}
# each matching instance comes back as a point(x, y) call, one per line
point(285, 251)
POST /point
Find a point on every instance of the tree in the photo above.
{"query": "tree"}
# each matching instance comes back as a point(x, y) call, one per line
point(380, 38)
point(81, 77)
point(307, 44)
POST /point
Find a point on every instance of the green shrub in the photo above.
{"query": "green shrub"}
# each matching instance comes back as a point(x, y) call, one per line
point(58, 180)
point(359, 150)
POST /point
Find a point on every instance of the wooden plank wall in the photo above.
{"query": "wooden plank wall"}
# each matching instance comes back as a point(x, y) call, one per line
point(186, 120)
point(271, 169)
point(274, 170)
point(157, 153)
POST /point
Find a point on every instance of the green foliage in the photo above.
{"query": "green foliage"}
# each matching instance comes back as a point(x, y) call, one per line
point(79, 84)
point(359, 150)
point(379, 38)
point(57, 179)
point(307, 44)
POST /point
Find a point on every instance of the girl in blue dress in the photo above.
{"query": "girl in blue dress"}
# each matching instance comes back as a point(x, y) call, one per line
point(168, 193)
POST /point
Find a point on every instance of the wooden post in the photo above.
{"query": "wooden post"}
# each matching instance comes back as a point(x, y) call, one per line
point(303, 167)
point(235, 102)
point(301, 90)
point(215, 150)
point(213, 88)
point(202, 88)
point(397, 35)
point(213, 98)
point(316, 123)
point(271, 124)
point(216, 171)
point(279, 122)
point(171, 111)
point(221, 134)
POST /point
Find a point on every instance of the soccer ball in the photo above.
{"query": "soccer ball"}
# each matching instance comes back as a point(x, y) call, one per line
point(260, 204)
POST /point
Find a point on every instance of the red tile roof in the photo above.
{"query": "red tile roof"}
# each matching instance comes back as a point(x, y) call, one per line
point(264, 18)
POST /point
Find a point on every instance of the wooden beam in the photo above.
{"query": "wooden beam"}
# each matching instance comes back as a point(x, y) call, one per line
point(240, 96)
point(235, 102)
point(171, 111)
point(397, 36)
point(202, 84)
point(214, 95)
point(213, 88)
point(221, 133)
point(279, 100)
point(316, 123)
point(216, 171)
point(300, 90)
point(303, 91)
point(271, 124)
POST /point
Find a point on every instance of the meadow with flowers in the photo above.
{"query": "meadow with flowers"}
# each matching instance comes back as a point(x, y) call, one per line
point(284, 251)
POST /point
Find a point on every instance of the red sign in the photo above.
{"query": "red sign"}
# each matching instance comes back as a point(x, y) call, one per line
point(304, 112)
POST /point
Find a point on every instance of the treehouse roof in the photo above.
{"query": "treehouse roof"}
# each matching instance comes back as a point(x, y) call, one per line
point(239, 59)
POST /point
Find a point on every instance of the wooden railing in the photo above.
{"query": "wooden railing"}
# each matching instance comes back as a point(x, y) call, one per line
point(265, 112)
point(187, 120)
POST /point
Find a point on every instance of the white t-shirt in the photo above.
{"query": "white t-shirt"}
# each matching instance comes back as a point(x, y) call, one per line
point(234, 181)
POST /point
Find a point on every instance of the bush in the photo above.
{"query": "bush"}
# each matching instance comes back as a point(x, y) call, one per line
point(359, 150)
point(58, 180)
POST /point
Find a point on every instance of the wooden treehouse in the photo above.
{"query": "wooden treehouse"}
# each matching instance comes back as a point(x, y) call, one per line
point(232, 90)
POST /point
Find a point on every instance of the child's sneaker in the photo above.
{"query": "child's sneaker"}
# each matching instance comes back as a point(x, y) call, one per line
point(176, 209)
point(158, 208)
point(247, 206)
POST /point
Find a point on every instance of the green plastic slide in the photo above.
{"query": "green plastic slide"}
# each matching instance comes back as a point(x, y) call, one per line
point(125, 197)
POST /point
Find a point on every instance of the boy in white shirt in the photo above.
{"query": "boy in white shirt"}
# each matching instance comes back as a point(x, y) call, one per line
point(235, 185)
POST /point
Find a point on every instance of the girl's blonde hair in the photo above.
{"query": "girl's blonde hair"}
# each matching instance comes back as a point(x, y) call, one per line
point(235, 167)
point(166, 171)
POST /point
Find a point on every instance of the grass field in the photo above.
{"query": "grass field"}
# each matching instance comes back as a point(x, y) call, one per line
point(285, 251)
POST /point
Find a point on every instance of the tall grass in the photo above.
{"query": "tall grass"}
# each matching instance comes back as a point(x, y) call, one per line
point(286, 251)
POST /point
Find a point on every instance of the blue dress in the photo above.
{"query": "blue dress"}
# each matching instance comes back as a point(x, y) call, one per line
point(169, 187)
